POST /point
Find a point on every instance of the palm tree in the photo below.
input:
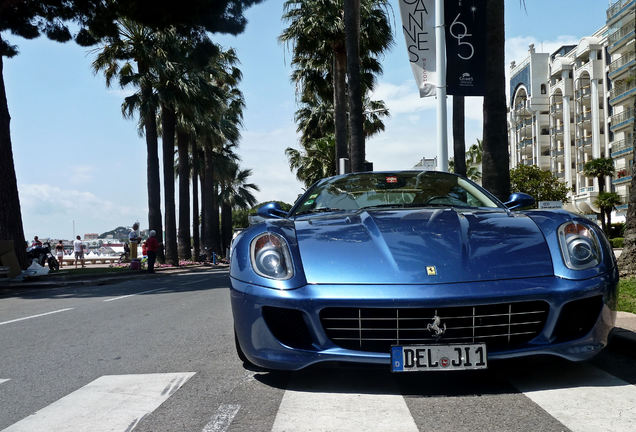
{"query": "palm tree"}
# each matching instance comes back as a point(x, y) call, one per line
point(316, 161)
point(495, 164)
point(316, 33)
point(236, 193)
point(128, 57)
point(606, 202)
point(599, 168)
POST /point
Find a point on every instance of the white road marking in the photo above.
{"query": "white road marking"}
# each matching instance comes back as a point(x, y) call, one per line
point(582, 397)
point(3, 380)
point(36, 316)
point(110, 403)
point(223, 418)
point(342, 412)
point(131, 295)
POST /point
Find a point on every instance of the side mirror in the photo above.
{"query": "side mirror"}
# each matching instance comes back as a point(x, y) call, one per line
point(519, 200)
point(272, 211)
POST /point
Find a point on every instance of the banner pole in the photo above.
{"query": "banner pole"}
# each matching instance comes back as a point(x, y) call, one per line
point(440, 54)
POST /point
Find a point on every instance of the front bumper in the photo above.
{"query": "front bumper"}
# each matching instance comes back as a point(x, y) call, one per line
point(262, 348)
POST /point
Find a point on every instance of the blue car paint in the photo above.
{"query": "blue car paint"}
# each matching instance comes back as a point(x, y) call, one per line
point(477, 265)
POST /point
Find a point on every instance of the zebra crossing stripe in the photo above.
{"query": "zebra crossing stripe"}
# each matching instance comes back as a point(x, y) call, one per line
point(110, 403)
point(223, 418)
point(3, 380)
point(582, 397)
point(307, 411)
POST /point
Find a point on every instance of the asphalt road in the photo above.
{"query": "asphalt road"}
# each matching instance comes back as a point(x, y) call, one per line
point(158, 355)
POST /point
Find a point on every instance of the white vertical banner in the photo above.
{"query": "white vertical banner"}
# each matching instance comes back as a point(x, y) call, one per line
point(418, 26)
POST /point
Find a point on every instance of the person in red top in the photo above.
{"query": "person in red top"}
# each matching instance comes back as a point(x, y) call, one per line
point(36, 242)
point(152, 244)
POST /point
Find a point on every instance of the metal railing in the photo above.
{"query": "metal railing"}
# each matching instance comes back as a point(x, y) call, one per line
point(624, 116)
point(556, 108)
point(584, 92)
point(583, 117)
point(621, 90)
point(556, 130)
point(622, 61)
point(583, 141)
point(620, 33)
point(620, 146)
point(616, 7)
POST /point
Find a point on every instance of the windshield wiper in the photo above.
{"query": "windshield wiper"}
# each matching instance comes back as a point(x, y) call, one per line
point(319, 210)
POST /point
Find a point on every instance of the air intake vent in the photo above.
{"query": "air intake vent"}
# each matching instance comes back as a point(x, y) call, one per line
point(500, 326)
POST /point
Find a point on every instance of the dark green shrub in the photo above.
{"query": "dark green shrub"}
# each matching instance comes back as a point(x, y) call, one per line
point(617, 242)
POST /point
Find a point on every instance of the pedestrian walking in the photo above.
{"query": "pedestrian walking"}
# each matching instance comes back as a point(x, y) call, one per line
point(134, 238)
point(152, 246)
point(78, 248)
point(59, 251)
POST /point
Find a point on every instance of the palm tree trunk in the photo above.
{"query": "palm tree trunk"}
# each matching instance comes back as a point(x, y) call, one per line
point(196, 246)
point(340, 103)
point(183, 235)
point(495, 161)
point(208, 202)
point(10, 214)
point(204, 201)
point(214, 228)
point(352, 43)
point(459, 140)
point(153, 181)
point(168, 122)
point(226, 227)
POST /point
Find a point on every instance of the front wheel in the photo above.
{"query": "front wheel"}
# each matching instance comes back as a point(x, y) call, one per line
point(53, 264)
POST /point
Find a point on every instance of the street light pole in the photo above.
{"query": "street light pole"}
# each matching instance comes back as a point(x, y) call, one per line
point(440, 57)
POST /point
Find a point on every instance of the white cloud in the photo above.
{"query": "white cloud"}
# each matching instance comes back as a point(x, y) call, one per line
point(45, 205)
point(81, 174)
point(264, 153)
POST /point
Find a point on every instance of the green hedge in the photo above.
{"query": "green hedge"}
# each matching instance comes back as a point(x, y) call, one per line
point(617, 243)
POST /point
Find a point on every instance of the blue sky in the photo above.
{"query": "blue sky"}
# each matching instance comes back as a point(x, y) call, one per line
point(78, 160)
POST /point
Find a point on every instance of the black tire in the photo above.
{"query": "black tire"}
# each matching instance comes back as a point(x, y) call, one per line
point(53, 264)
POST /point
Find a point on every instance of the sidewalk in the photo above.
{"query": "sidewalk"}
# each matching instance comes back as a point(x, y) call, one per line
point(55, 281)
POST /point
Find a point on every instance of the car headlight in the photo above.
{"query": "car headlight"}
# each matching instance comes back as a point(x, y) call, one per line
point(579, 246)
point(270, 257)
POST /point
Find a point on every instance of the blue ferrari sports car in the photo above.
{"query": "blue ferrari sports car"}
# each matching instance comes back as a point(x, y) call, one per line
point(420, 271)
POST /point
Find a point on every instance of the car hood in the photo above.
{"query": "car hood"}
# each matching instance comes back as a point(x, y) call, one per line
point(420, 247)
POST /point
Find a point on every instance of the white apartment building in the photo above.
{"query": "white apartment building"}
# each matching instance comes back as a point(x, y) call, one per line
point(575, 105)
point(622, 77)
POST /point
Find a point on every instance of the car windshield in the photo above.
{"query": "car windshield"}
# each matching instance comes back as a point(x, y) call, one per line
point(393, 190)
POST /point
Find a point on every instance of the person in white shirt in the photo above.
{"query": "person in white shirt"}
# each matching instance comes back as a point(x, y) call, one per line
point(78, 248)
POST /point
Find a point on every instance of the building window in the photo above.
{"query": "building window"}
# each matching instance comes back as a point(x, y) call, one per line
point(543, 89)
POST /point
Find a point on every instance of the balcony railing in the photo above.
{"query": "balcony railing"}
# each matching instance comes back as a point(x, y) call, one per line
point(622, 90)
point(622, 147)
point(520, 106)
point(584, 92)
point(620, 33)
point(554, 153)
point(621, 180)
point(583, 141)
point(616, 7)
point(622, 61)
point(528, 162)
point(556, 108)
point(584, 117)
point(622, 119)
point(559, 175)
point(586, 189)
point(526, 142)
point(556, 130)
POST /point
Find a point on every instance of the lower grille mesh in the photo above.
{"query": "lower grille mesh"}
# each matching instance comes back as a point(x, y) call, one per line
point(499, 326)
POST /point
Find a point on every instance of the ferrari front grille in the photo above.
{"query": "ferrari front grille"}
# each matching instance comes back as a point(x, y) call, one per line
point(499, 326)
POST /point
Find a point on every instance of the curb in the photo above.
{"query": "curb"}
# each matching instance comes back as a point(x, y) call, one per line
point(103, 280)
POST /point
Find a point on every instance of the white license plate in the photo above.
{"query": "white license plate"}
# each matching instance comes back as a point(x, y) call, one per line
point(411, 358)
